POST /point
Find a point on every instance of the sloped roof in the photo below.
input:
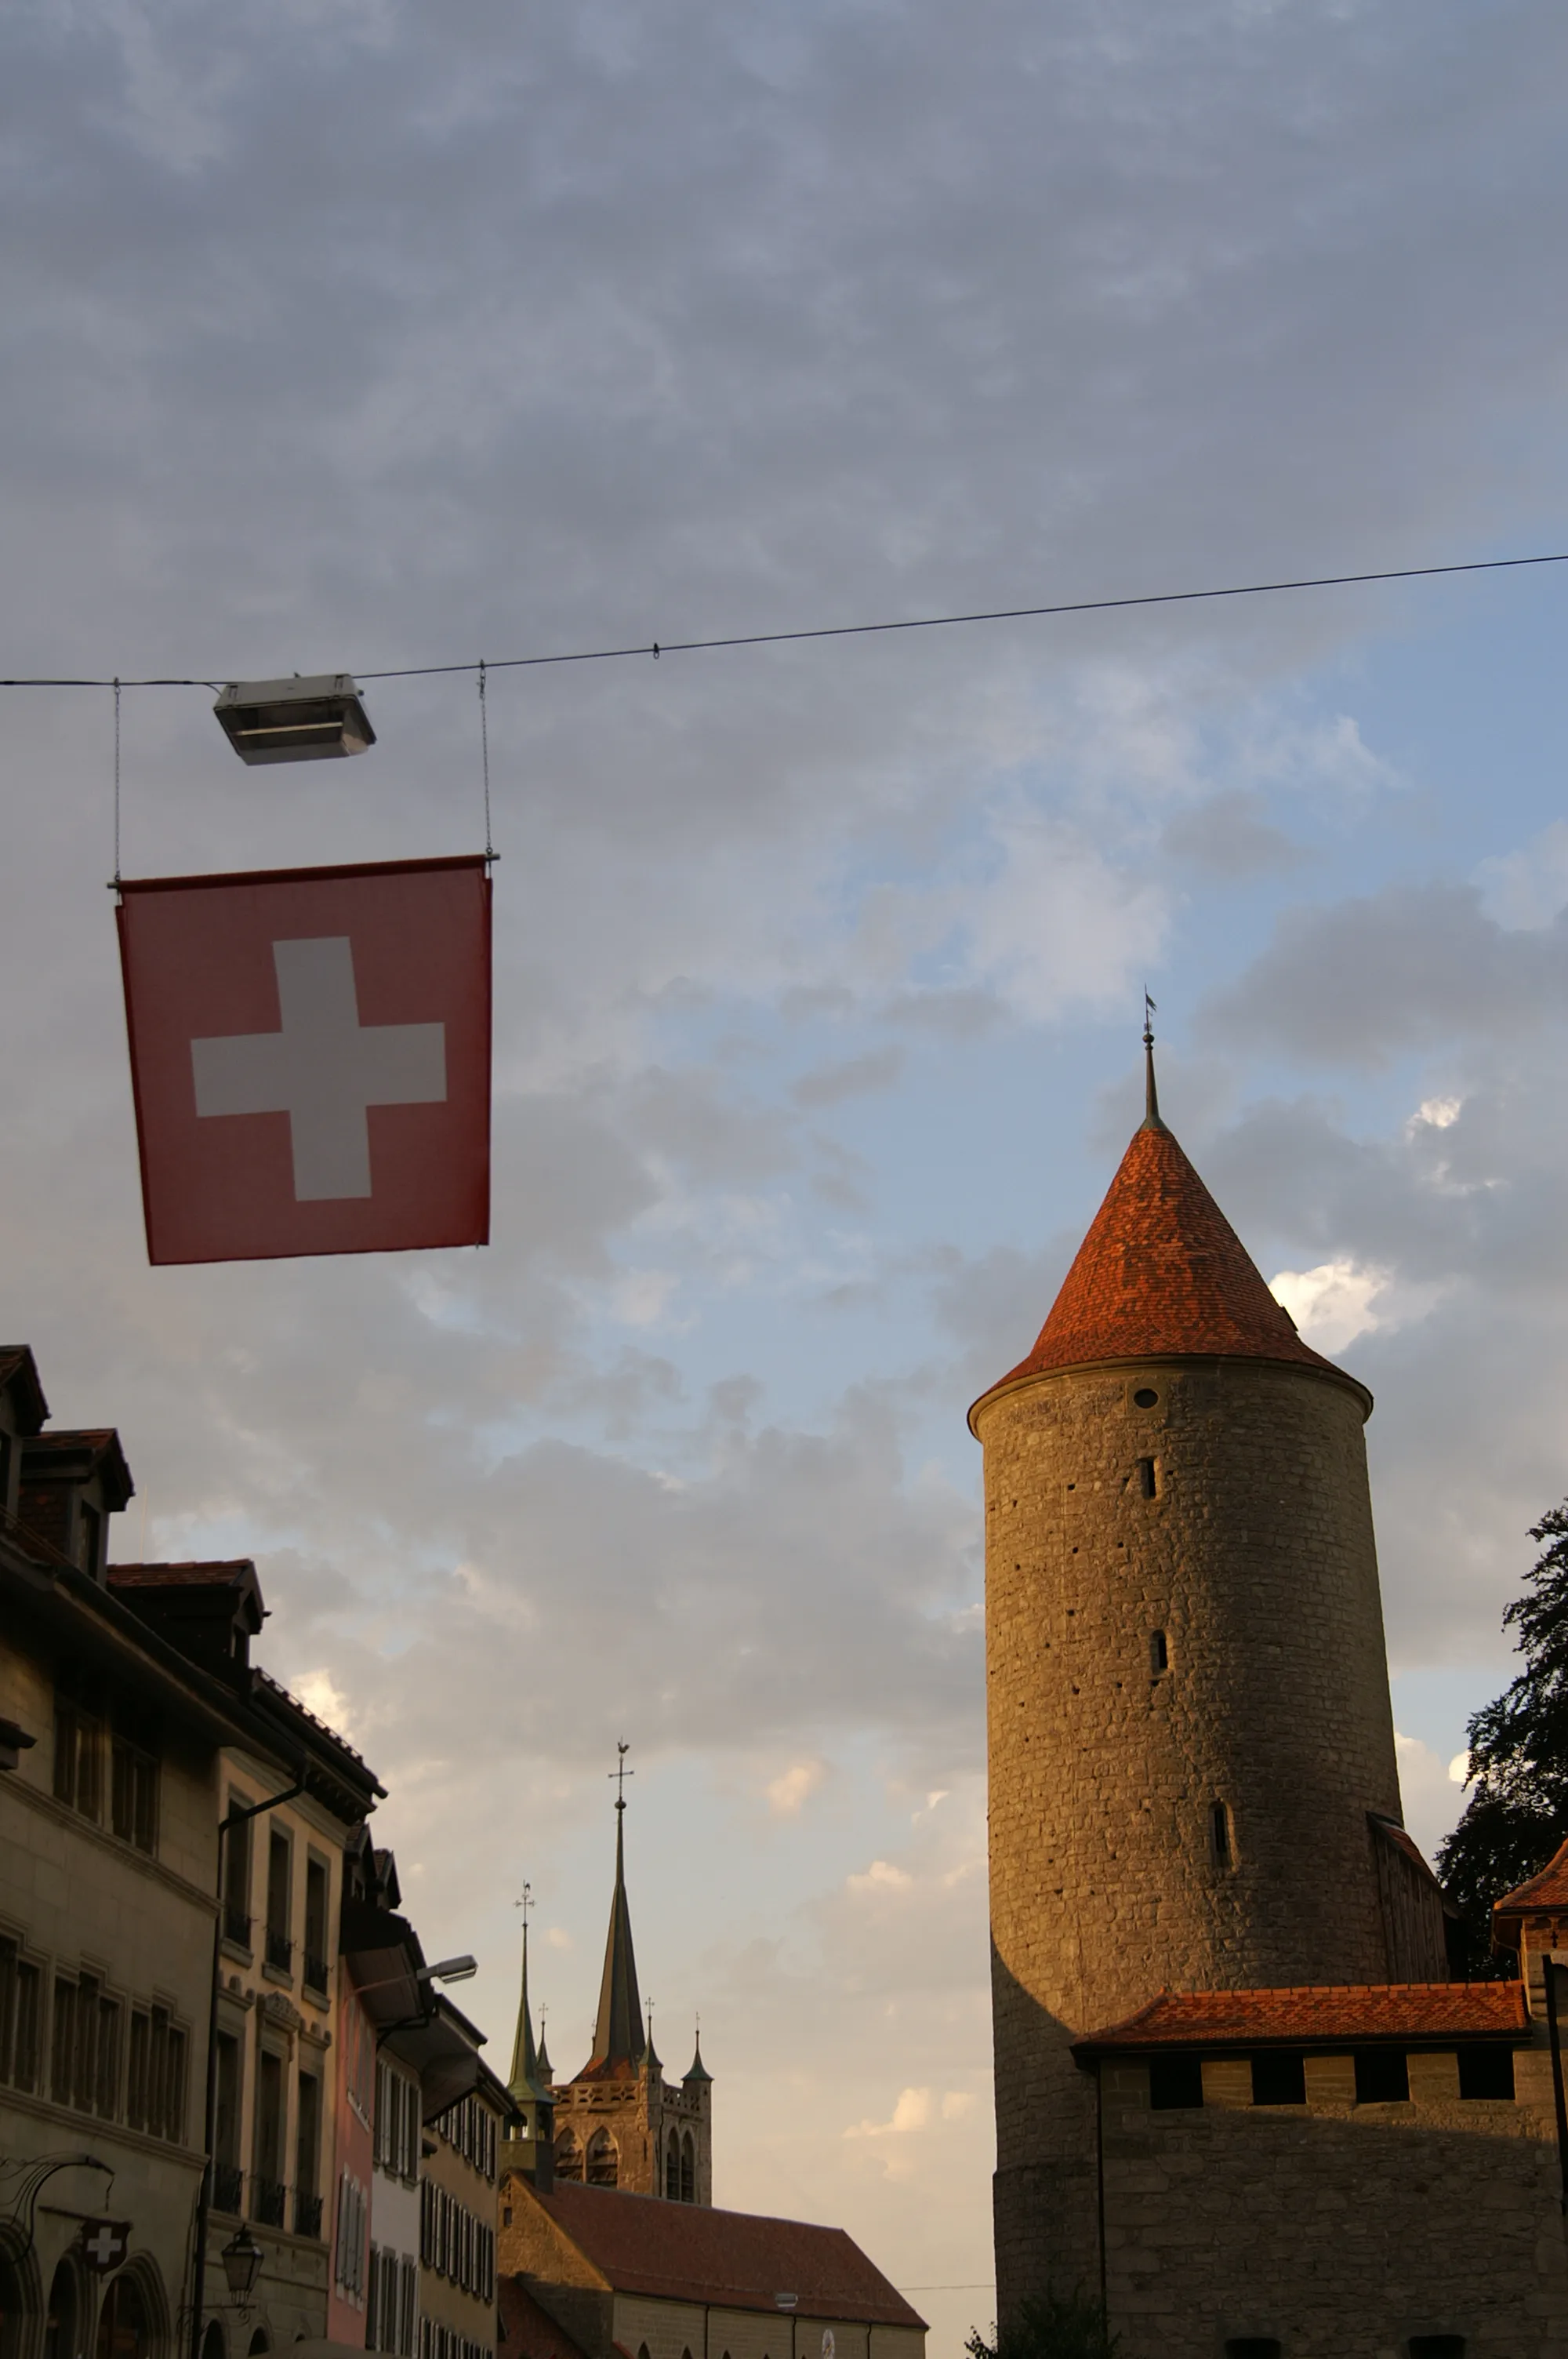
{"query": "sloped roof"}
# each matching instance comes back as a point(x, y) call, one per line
point(528, 2328)
point(1547, 1890)
point(19, 1376)
point(737, 2260)
point(221, 1572)
point(1162, 1273)
point(95, 1448)
point(1317, 2016)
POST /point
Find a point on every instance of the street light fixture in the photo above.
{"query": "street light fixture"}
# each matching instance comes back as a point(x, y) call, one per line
point(449, 1970)
point(312, 720)
point(242, 2257)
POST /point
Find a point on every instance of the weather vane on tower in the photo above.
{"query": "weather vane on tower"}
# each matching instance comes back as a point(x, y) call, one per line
point(620, 1774)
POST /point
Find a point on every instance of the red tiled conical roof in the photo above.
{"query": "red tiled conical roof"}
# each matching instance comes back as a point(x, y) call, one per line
point(1162, 1274)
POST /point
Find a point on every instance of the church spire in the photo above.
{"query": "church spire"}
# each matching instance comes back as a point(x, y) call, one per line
point(526, 2079)
point(618, 2035)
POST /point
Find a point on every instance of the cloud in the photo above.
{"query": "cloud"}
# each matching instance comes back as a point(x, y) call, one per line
point(1231, 836)
point(879, 1068)
point(789, 1792)
point(882, 1875)
point(1527, 889)
point(913, 2111)
point(1359, 981)
point(1331, 1304)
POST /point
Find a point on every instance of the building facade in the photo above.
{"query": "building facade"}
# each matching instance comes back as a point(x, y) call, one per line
point(1193, 1792)
point(459, 2203)
point(288, 1808)
point(136, 1723)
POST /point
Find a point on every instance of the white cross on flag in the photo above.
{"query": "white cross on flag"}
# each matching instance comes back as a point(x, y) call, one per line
point(310, 1059)
point(106, 2243)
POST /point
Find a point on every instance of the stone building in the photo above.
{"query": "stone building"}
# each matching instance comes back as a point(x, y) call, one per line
point(132, 1719)
point(620, 2122)
point(1236, 2092)
point(292, 1804)
point(591, 2274)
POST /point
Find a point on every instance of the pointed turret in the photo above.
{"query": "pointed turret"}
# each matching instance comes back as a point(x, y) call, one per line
point(547, 2070)
point(1162, 1275)
point(698, 2069)
point(619, 2038)
point(528, 2082)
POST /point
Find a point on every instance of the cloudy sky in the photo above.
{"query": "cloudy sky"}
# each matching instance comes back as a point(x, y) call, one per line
point(374, 333)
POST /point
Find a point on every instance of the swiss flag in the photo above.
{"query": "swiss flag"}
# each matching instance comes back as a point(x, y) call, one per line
point(310, 1058)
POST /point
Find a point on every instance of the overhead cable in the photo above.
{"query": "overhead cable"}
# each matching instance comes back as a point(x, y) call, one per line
point(660, 648)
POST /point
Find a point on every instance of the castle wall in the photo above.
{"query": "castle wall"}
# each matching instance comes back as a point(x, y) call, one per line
point(1254, 1556)
point(1339, 2230)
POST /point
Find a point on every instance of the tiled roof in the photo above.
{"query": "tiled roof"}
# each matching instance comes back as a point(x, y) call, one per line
point(736, 2260)
point(1549, 1889)
point(530, 2332)
point(227, 1572)
point(1317, 2016)
point(1162, 1273)
point(97, 1445)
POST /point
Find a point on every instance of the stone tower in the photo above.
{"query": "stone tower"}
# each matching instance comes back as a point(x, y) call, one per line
point(1191, 1745)
point(620, 2122)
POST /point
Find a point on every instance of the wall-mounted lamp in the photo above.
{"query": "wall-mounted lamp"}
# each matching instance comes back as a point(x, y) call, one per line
point(451, 1970)
point(242, 2257)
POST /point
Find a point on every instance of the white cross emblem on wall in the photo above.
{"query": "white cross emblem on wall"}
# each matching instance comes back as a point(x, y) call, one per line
point(105, 2246)
point(324, 1069)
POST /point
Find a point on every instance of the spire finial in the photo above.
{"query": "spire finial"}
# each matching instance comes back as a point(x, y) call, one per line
point(620, 1773)
point(1151, 1095)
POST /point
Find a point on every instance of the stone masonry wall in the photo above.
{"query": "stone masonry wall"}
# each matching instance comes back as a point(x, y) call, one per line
point(1340, 2230)
point(1255, 1557)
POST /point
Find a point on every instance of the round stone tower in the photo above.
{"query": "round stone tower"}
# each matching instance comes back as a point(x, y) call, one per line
point(1190, 1733)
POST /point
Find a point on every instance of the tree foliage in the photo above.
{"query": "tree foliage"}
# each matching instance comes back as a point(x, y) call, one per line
point(1050, 2326)
point(1517, 1814)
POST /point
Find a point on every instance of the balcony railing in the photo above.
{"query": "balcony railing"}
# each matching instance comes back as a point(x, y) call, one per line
point(279, 1950)
point(306, 2214)
point(228, 2187)
point(267, 2195)
point(236, 1925)
point(314, 1972)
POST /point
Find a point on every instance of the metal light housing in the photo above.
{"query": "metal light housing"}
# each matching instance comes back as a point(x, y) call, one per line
point(313, 719)
point(242, 2257)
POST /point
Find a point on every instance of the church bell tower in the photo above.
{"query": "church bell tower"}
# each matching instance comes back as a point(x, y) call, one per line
point(1191, 1743)
point(620, 2122)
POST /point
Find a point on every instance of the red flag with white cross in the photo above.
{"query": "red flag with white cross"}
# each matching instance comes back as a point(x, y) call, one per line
point(310, 1058)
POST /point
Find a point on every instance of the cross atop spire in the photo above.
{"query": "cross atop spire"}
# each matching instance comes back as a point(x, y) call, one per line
point(528, 2081)
point(619, 2038)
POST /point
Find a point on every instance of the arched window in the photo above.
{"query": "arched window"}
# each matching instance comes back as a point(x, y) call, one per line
point(213, 2340)
point(15, 2306)
point(642, 2350)
point(124, 2331)
point(568, 2156)
point(259, 2343)
point(59, 2320)
point(603, 2160)
point(688, 2170)
point(672, 2169)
